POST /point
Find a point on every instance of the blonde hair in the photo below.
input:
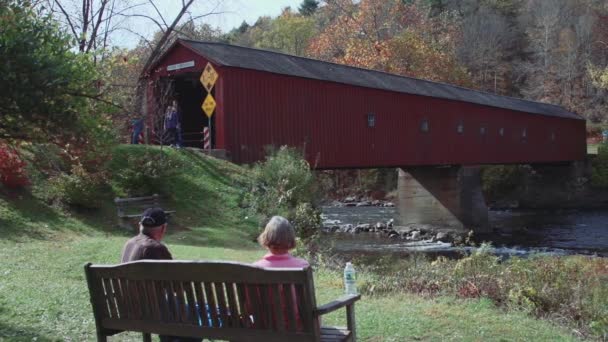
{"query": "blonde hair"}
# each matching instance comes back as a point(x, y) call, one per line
point(278, 234)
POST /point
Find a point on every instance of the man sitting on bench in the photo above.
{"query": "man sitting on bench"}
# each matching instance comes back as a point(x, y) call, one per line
point(147, 245)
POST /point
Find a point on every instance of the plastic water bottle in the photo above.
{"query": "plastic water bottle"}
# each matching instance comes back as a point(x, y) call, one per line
point(350, 286)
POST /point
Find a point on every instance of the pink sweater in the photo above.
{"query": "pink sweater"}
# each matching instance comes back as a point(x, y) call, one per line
point(281, 260)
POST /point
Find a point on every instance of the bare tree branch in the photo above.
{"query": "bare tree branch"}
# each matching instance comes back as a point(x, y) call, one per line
point(143, 38)
point(160, 26)
point(67, 17)
point(96, 97)
point(96, 26)
point(161, 43)
point(158, 12)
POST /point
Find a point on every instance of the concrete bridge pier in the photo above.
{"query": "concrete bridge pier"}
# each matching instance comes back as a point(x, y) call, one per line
point(442, 196)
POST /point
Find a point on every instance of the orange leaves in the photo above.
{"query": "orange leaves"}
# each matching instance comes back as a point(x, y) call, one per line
point(390, 36)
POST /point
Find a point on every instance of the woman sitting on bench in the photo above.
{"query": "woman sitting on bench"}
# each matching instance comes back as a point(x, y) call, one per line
point(279, 238)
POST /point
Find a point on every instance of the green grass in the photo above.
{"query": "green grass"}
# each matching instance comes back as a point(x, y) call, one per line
point(43, 294)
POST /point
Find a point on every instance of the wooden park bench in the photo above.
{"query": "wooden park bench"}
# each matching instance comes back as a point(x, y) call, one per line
point(213, 300)
point(129, 209)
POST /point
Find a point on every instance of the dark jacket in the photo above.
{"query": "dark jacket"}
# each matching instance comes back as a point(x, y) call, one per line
point(144, 247)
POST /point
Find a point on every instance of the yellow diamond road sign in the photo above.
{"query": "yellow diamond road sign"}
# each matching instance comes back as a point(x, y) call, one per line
point(208, 77)
point(208, 105)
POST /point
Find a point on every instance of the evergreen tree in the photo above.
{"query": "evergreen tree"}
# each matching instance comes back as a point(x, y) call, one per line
point(243, 28)
point(308, 7)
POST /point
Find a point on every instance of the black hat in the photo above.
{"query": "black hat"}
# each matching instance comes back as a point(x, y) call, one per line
point(153, 217)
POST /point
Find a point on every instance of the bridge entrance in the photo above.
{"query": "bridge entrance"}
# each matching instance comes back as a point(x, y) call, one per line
point(190, 94)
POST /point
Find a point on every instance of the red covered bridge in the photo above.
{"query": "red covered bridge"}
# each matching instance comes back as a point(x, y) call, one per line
point(346, 117)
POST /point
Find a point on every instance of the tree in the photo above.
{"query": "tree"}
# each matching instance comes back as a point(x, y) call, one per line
point(391, 36)
point(288, 33)
point(308, 7)
point(488, 39)
point(48, 91)
point(90, 22)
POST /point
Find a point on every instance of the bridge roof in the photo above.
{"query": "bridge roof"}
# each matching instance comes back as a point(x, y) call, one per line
point(284, 64)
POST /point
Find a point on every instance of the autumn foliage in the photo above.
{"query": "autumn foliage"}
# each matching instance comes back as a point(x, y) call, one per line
point(12, 168)
point(390, 36)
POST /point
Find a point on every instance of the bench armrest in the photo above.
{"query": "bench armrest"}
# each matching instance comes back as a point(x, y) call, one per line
point(337, 304)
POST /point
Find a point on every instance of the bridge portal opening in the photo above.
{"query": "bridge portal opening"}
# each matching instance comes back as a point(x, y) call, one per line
point(190, 95)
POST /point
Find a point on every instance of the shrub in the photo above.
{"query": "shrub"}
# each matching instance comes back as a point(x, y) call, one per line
point(12, 168)
point(573, 289)
point(599, 173)
point(284, 185)
point(145, 174)
point(500, 179)
point(78, 188)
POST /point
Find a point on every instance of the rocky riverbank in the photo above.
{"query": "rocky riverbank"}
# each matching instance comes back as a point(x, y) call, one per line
point(414, 232)
point(353, 201)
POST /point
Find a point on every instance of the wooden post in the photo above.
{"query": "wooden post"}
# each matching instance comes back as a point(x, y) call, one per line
point(96, 302)
point(350, 321)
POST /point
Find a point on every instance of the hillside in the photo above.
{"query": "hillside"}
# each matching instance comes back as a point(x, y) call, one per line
point(43, 294)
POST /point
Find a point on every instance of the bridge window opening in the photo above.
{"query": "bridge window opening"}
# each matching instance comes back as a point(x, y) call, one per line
point(501, 131)
point(460, 127)
point(482, 130)
point(524, 133)
point(552, 137)
point(371, 120)
point(424, 126)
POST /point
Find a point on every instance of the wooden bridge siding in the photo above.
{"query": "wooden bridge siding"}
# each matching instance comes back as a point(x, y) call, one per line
point(255, 109)
point(270, 109)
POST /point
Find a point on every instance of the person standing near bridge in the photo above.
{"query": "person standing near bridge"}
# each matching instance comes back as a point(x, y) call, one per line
point(172, 125)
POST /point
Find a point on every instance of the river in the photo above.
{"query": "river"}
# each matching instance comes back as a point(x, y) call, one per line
point(517, 232)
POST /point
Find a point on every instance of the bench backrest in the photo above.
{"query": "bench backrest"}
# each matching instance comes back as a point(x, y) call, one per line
point(217, 300)
point(137, 205)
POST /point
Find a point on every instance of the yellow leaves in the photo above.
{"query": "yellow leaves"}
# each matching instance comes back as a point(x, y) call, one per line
point(598, 75)
point(392, 37)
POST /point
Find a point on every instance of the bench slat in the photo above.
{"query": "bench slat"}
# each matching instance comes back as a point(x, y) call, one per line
point(301, 300)
point(279, 318)
point(291, 306)
point(235, 314)
point(184, 270)
point(252, 298)
point(198, 288)
point(221, 302)
point(192, 311)
point(153, 297)
point(245, 310)
point(110, 298)
point(212, 304)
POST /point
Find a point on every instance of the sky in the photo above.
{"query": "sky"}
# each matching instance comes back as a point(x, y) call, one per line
point(233, 12)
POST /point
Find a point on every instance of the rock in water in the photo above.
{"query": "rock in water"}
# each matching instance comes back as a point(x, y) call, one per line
point(443, 237)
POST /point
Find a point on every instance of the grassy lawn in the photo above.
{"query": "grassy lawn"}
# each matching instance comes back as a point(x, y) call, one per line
point(43, 294)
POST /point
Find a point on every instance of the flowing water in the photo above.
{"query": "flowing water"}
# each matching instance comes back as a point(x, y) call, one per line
point(516, 232)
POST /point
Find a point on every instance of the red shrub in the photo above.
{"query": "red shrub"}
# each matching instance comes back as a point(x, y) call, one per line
point(12, 168)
